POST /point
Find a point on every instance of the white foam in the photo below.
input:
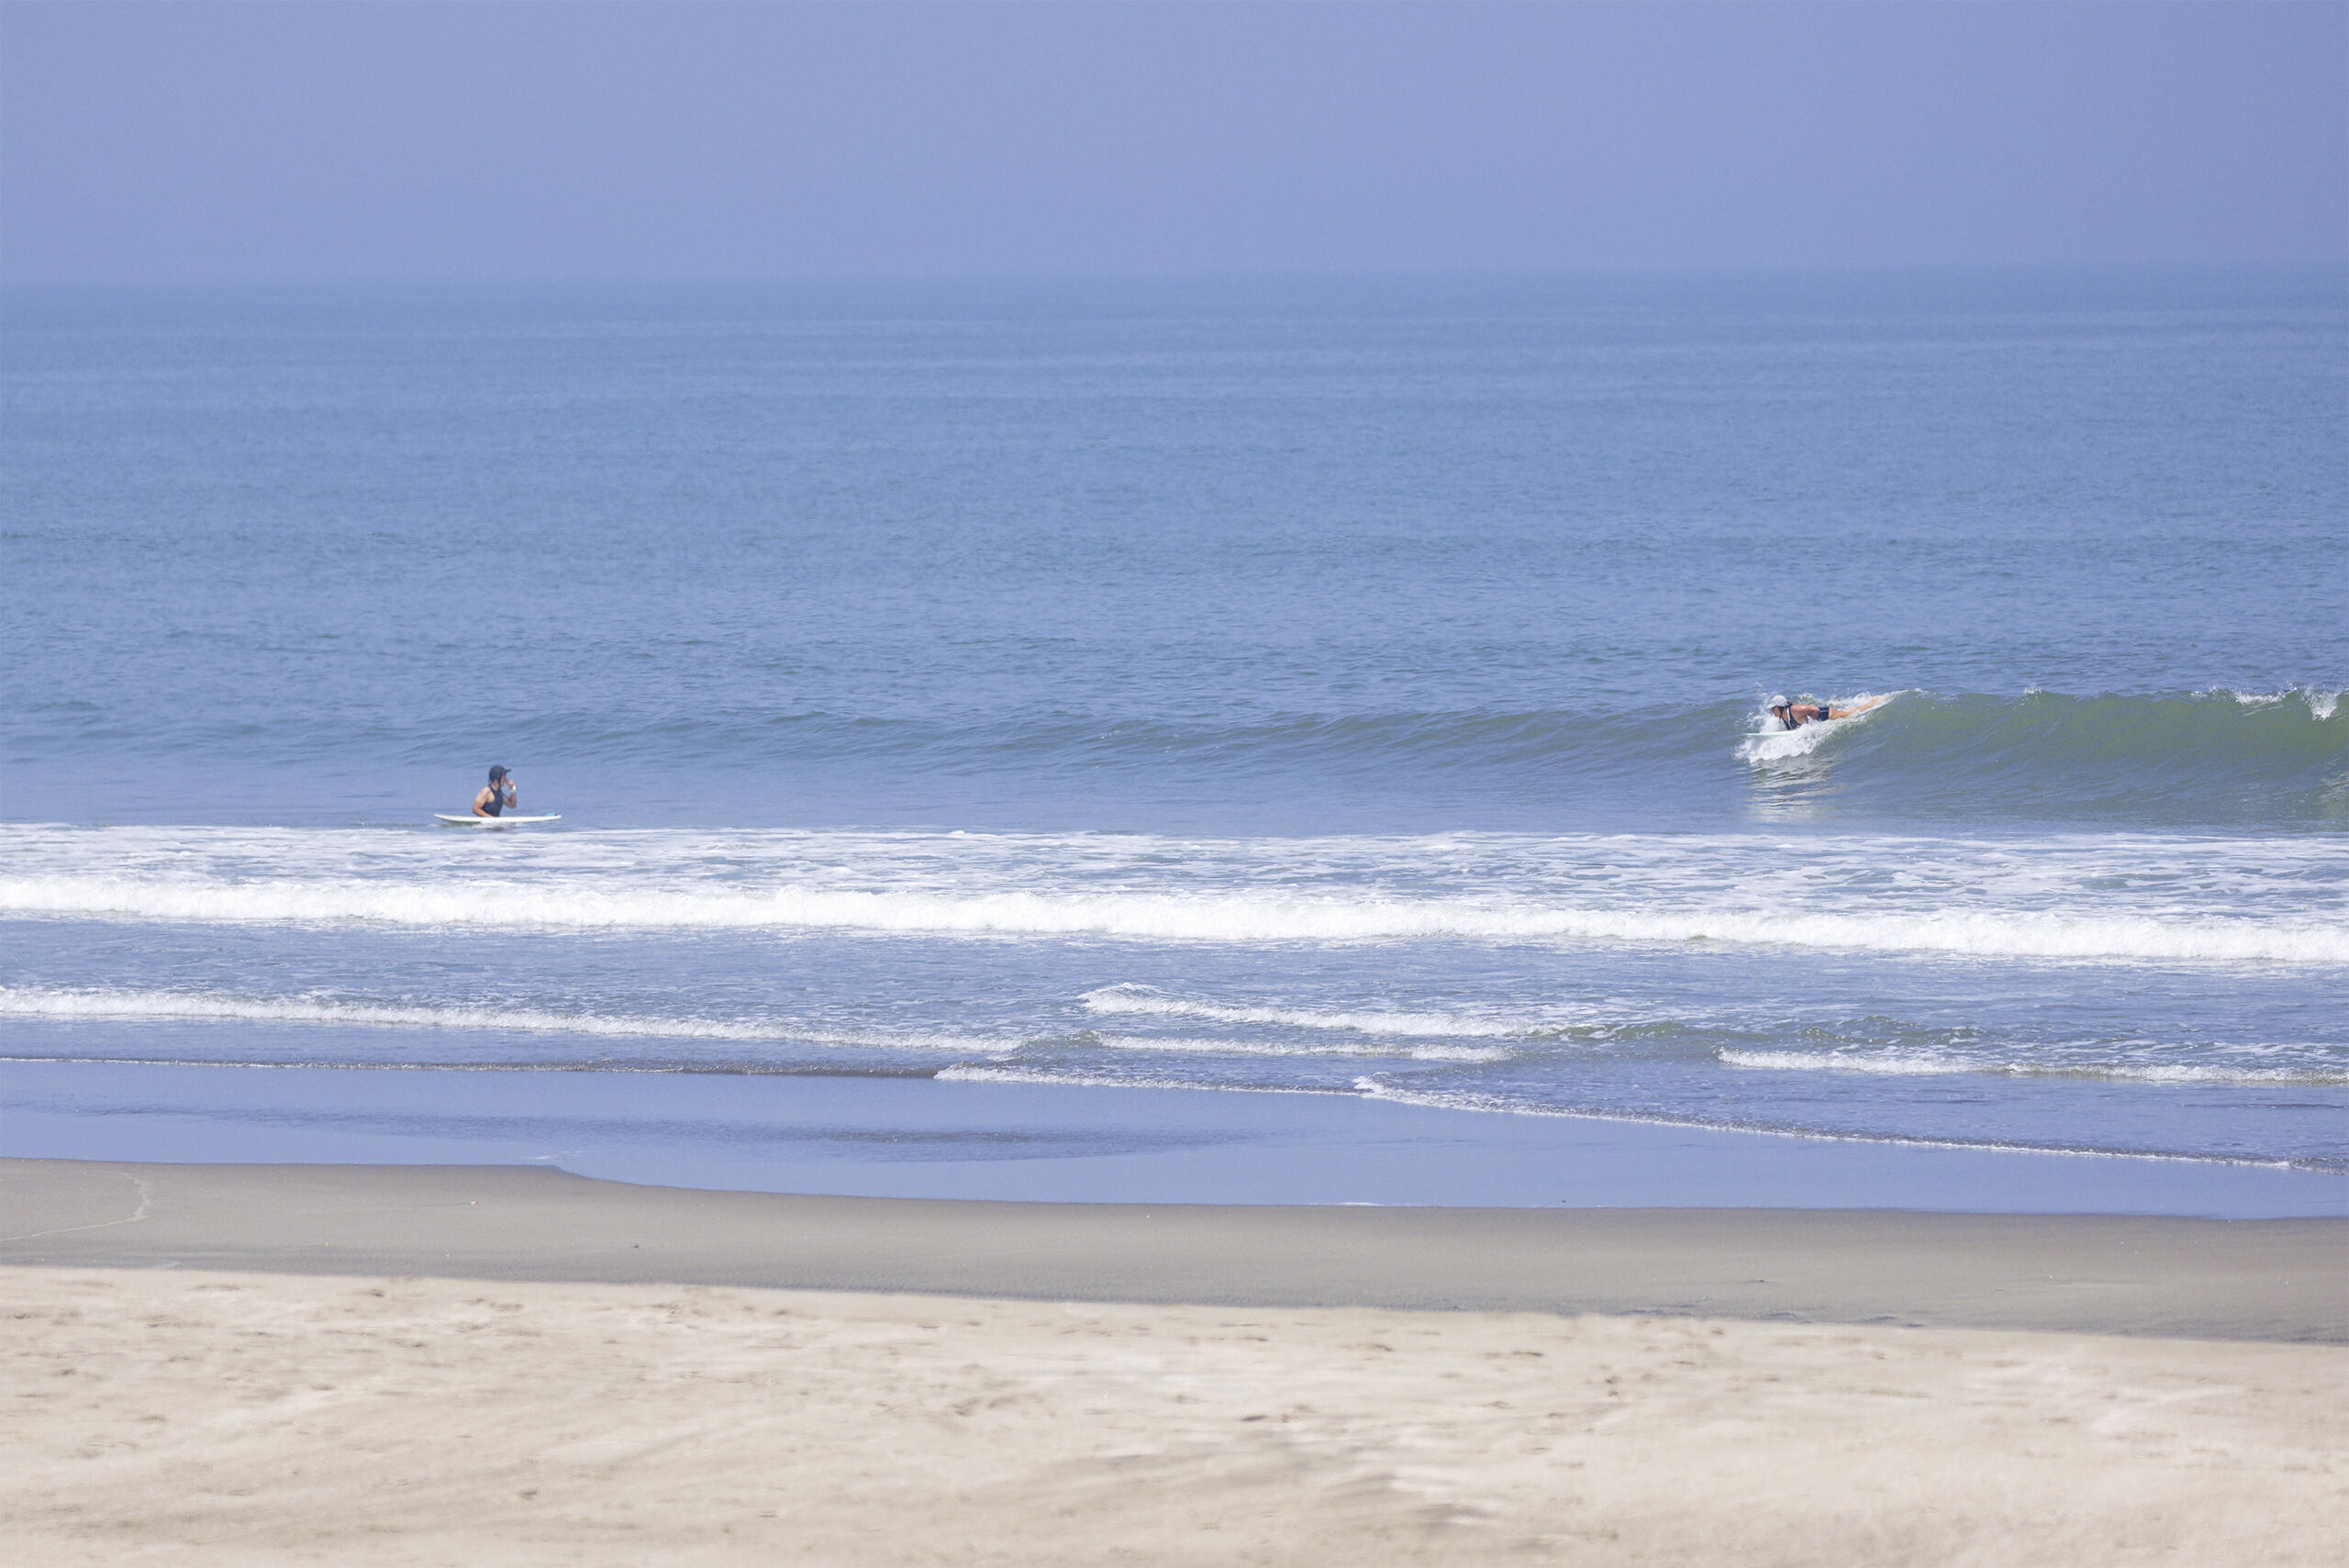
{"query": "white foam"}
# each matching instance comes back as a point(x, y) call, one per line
point(967, 1074)
point(154, 1007)
point(2089, 896)
point(1925, 1064)
point(1903, 1064)
point(1771, 743)
point(2322, 704)
point(1201, 918)
point(2169, 1074)
point(1209, 1045)
point(1145, 1000)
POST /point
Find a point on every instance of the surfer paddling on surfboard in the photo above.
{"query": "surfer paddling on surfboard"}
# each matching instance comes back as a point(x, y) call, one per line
point(494, 808)
point(499, 796)
point(1795, 715)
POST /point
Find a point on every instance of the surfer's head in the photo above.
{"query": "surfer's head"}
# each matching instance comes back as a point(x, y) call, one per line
point(498, 776)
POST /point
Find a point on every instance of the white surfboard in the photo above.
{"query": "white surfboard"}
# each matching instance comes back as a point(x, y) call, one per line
point(454, 821)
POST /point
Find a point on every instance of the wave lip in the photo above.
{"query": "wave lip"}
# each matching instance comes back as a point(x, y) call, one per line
point(2322, 704)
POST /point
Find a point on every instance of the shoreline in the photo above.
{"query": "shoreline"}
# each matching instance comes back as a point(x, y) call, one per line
point(2284, 1279)
point(928, 1137)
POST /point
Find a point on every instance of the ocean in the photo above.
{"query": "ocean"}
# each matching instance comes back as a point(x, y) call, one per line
point(1348, 690)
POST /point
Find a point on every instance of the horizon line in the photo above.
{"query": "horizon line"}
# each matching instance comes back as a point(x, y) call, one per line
point(2339, 264)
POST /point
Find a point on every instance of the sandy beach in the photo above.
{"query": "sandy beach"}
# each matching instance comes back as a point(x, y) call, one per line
point(370, 1364)
point(218, 1417)
point(856, 785)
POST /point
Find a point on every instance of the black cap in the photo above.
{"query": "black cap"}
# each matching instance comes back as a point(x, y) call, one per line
point(496, 774)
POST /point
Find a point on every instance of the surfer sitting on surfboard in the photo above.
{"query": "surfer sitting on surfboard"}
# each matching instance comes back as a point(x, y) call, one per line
point(1795, 715)
point(499, 795)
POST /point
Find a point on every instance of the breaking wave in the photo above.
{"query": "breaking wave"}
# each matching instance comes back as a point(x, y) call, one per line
point(1164, 916)
point(2211, 756)
point(2219, 755)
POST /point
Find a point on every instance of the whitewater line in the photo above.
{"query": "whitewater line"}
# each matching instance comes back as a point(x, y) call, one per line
point(150, 1006)
point(1220, 919)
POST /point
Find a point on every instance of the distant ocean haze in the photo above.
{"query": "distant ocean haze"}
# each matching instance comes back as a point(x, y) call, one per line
point(1353, 687)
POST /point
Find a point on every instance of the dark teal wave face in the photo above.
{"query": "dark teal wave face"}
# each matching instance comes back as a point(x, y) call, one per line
point(1244, 557)
point(2276, 762)
point(2276, 759)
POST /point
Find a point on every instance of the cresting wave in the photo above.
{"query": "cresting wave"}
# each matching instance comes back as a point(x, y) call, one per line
point(1771, 743)
point(1177, 918)
point(2208, 756)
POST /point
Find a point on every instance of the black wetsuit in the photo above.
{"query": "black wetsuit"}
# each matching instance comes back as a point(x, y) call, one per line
point(496, 799)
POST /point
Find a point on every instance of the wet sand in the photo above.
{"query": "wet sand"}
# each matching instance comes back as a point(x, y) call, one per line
point(2281, 1279)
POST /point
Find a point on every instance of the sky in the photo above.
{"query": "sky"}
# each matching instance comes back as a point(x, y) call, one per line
point(197, 142)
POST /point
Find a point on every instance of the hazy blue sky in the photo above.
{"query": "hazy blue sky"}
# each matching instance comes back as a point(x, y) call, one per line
point(199, 142)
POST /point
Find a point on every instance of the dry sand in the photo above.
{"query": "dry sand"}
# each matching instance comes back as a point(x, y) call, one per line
point(226, 1390)
point(215, 1418)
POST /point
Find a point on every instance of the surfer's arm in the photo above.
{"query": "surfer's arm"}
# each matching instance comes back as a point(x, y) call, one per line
point(482, 801)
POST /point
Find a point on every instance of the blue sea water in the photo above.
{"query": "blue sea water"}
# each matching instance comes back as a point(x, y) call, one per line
point(1353, 687)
